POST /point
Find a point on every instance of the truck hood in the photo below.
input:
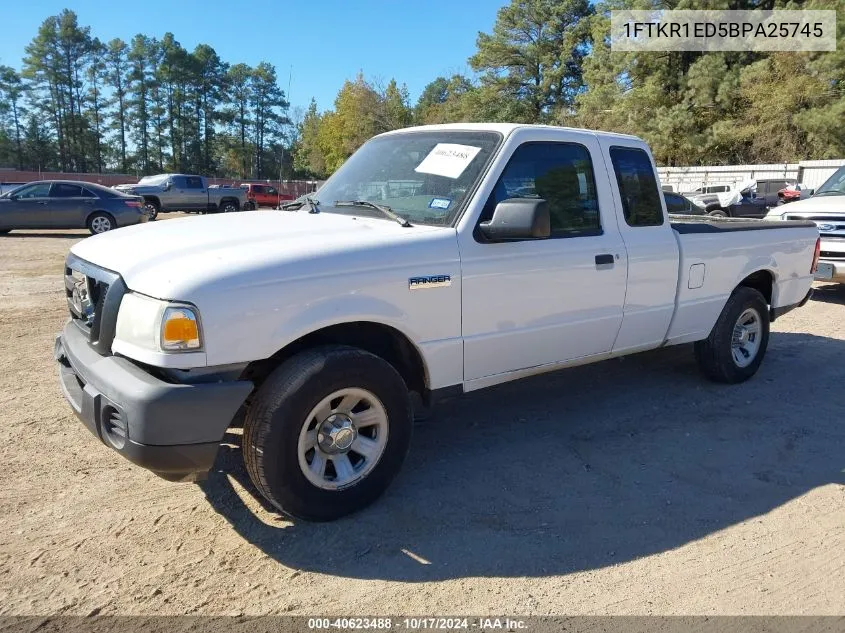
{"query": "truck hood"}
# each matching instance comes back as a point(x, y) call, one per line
point(171, 259)
point(138, 188)
point(812, 206)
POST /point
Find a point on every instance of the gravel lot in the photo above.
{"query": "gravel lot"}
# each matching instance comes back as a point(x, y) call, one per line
point(632, 486)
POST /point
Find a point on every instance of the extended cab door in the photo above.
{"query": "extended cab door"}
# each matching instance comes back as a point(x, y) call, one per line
point(540, 302)
point(649, 241)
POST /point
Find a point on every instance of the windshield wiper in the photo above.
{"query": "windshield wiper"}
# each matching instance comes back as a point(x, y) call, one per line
point(829, 193)
point(313, 205)
point(378, 207)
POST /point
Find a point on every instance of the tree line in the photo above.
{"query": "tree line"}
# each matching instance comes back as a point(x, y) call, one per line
point(145, 106)
point(149, 105)
point(550, 61)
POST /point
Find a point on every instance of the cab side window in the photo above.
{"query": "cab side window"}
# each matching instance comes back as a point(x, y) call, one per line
point(38, 190)
point(559, 173)
point(676, 203)
point(637, 186)
point(64, 190)
point(193, 182)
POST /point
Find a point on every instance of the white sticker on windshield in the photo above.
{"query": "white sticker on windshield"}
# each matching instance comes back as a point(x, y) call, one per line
point(447, 159)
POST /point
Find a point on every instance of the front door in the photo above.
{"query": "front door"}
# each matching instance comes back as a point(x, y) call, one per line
point(27, 208)
point(191, 193)
point(532, 303)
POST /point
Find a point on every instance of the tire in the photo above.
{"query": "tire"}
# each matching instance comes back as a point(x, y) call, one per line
point(153, 209)
point(283, 415)
point(718, 213)
point(101, 222)
point(718, 354)
point(228, 207)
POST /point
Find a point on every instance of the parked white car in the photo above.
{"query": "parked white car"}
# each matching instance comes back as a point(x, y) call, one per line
point(826, 208)
point(518, 250)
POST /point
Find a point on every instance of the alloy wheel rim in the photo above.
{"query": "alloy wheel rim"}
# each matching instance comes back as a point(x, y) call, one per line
point(100, 225)
point(342, 439)
point(745, 341)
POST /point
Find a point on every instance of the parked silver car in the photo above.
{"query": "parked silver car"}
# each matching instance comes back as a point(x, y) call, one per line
point(67, 204)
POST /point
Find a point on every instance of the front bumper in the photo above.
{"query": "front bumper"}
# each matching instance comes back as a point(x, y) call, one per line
point(171, 429)
point(838, 266)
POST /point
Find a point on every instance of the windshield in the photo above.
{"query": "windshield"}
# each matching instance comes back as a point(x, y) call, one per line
point(833, 186)
point(153, 180)
point(423, 176)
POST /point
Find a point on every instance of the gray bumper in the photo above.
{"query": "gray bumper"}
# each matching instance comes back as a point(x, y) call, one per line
point(171, 429)
point(838, 266)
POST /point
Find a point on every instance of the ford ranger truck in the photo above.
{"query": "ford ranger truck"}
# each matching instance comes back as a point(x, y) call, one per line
point(178, 192)
point(436, 260)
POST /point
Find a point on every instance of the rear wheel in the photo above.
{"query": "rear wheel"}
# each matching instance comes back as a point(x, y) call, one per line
point(100, 223)
point(153, 209)
point(737, 344)
point(718, 213)
point(229, 207)
point(327, 432)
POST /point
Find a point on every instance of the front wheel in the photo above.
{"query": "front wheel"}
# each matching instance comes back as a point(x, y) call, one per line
point(327, 432)
point(718, 213)
point(737, 344)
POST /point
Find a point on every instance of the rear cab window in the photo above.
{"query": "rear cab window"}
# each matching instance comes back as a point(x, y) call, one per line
point(638, 189)
point(675, 203)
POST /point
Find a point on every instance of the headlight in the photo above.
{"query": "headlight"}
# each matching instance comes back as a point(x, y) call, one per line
point(160, 326)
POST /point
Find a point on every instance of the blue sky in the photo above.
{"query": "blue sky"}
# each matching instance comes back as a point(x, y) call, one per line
point(324, 41)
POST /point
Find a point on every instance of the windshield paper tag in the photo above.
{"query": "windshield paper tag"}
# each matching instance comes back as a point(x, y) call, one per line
point(447, 159)
point(439, 203)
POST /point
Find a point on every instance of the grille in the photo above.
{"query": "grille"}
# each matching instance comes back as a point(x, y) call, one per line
point(93, 298)
point(833, 219)
point(831, 255)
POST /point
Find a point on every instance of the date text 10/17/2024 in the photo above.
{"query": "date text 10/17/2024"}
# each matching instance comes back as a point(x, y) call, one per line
point(419, 624)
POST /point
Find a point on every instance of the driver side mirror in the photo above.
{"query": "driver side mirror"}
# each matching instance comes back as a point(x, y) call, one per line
point(518, 219)
point(167, 186)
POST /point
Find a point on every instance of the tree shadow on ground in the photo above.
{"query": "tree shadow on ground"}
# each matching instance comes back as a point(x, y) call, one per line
point(579, 469)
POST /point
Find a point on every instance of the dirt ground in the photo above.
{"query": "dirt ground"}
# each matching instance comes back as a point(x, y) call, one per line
point(628, 487)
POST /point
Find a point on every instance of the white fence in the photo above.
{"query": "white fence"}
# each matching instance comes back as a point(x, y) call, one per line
point(811, 173)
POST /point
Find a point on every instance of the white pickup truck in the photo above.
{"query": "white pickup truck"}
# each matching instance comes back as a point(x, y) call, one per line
point(437, 260)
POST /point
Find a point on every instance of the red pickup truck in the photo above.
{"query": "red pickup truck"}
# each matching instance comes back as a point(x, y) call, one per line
point(264, 195)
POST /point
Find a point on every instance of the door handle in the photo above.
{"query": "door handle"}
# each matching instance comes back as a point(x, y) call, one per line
point(604, 259)
point(42, 202)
